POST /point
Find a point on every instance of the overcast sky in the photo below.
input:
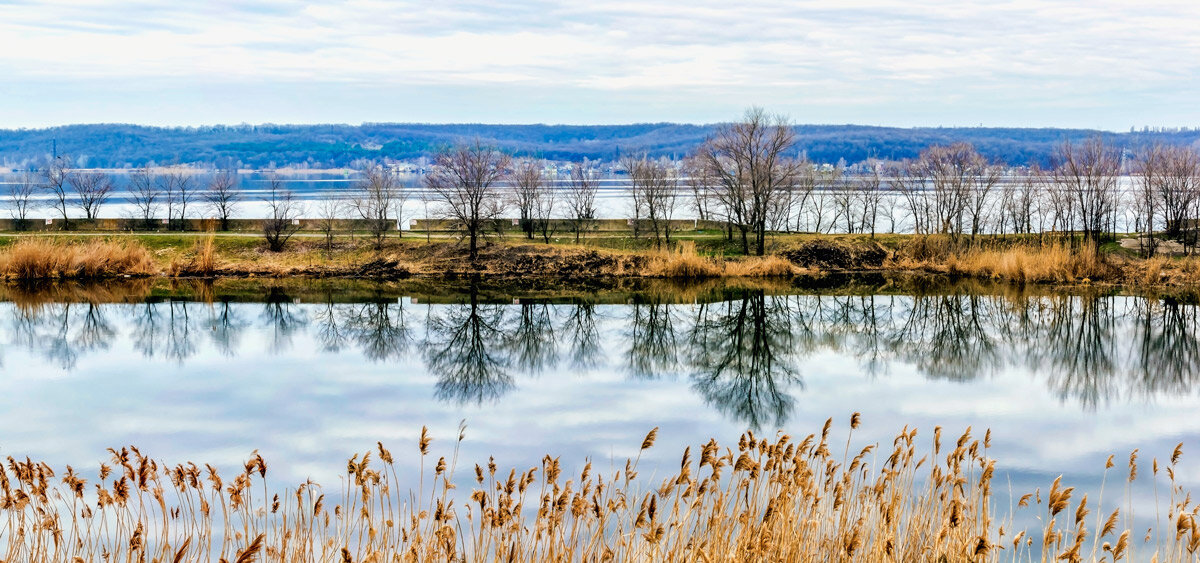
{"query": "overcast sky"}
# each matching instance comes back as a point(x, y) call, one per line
point(1100, 64)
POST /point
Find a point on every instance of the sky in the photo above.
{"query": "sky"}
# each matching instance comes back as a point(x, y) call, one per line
point(1102, 64)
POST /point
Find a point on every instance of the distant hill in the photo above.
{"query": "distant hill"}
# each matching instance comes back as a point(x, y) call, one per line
point(262, 146)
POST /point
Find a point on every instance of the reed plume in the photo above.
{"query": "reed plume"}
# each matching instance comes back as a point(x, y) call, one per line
point(770, 499)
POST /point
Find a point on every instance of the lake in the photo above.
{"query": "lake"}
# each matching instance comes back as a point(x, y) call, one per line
point(309, 373)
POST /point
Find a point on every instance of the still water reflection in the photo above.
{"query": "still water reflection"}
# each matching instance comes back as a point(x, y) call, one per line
point(743, 352)
point(1062, 379)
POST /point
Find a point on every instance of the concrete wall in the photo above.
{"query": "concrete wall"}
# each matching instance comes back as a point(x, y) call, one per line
point(255, 225)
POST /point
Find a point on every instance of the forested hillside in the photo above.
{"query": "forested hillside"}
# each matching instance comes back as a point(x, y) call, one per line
point(261, 146)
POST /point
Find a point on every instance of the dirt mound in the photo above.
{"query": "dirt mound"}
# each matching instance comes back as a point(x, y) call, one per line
point(383, 268)
point(837, 255)
point(540, 261)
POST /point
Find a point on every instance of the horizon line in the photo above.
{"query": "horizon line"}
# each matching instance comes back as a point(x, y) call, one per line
point(1133, 129)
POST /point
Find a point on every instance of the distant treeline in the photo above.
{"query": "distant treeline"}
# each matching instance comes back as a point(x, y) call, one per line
point(324, 146)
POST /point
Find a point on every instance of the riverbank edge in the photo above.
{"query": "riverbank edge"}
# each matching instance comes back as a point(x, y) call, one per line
point(1018, 261)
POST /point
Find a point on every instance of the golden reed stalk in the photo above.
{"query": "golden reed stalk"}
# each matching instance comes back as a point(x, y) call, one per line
point(776, 499)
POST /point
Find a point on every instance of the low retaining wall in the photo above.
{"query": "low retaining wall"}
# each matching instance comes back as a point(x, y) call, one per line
point(255, 225)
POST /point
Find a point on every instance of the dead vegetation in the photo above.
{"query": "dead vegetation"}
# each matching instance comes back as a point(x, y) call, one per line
point(46, 259)
point(777, 499)
point(1053, 262)
point(200, 262)
point(1017, 261)
point(684, 263)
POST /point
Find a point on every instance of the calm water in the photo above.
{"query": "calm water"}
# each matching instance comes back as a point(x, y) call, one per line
point(309, 377)
point(612, 199)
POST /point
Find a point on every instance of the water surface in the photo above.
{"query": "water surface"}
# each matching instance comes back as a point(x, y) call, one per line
point(310, 374)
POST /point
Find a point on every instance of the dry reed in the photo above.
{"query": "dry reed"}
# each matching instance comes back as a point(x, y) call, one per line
point(776, 499)
point(686, 264)
point(1022, 263)
point(681, 263)
point(760, 267)
point(44, 259)
point(201, 261)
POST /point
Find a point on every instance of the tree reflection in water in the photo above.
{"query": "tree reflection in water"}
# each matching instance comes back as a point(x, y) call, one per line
point(650, 337)
point(580, 332)
point(741, 352)
point(379, 329)
point(226, 326)
point(530, 340)
point(742, 358)
point(465, 350)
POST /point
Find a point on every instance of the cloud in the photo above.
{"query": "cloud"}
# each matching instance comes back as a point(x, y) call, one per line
point(989, 61)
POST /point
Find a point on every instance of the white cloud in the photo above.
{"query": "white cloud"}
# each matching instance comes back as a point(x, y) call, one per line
point(977, 60)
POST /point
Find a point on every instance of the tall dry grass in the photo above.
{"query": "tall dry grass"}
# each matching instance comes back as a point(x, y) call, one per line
point(1032, 263)
point(760, 267)
point(44, 258)
point(685, 263)
point(681, 263)
point(778, 499)
point(201, 261)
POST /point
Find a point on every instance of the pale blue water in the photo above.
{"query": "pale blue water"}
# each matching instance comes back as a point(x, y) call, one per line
point(1061, 380)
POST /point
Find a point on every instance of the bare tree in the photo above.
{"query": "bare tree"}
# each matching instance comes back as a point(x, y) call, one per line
point(948, 190)
point(654, 185)
point(178, 186)
point(223, 196)
point(329, 210)
point(1019, 201)
point(283, 214)
point(825, 181)
point(803, 185)
point(467, 180)
point(56, 181)
point(701, 182)
point(1149, 165)
point(636, 204)
point(748, 159)
point(1088, 174)
point(980, 201)
point(544, 202)
point(800, 192)
point(377, 200)
point(846, 201)
point(527, 184)
point(909, 181)
point(21, 200)
point(1178, 186)
point(960, 181)
point(869, 186)
point(91, 189)
point(581, 198)
point(145, 195)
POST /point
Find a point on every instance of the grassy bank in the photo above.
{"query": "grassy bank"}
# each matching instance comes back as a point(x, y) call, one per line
point(778, 499)
point(89, 257)
point(1016, 259)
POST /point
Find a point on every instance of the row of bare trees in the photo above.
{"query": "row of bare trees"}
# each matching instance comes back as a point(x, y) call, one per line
point(174, 190)
point(749, 175)
point(746, 177)
point(1167, 194)
point(63, 189)
point(475, 184)
point(654, 190)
